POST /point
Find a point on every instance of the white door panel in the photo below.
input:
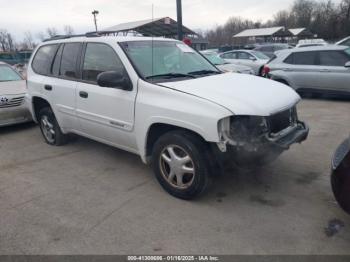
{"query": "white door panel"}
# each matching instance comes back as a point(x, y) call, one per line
point(62, 98)
point(107, 113)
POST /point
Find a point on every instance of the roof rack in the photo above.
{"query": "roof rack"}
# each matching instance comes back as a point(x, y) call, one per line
point(59, 37)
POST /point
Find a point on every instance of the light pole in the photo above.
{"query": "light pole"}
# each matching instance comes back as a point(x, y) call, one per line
point(95, 13)
point(179, 20)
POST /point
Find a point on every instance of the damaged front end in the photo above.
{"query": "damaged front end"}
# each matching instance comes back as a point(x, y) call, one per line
point(257, 138)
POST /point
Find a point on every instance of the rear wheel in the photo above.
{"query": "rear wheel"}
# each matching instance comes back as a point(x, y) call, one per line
point(180, 164)
point(50, 129)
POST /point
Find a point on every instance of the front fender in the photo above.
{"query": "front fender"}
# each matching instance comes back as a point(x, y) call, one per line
point(162, 105)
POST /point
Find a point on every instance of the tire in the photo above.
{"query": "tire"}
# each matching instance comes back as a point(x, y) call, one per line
point(176, 151)
point(340, 181)
point(50, 129)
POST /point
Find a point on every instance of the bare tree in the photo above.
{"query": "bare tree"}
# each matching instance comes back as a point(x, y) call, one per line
point(41, 36)
point(28, 40)
point(68, 30)
point(10, 42)
point(51, 31)
point(3, 39)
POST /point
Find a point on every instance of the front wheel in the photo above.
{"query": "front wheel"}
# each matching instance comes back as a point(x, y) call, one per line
point(50, 129)
point(180, 164)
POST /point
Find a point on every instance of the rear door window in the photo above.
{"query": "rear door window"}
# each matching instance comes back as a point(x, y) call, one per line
point(43, 59)
point(100, 58)
point(69, 60)
point(245, 56)
point(333, 58)
point(229, 56)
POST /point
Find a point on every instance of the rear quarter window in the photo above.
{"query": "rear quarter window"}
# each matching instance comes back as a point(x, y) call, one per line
point(43, 59)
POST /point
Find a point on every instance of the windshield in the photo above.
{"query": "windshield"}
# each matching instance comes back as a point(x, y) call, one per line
point(260, 55)
point(170, 59)
point(8, 74)
point(214, 59)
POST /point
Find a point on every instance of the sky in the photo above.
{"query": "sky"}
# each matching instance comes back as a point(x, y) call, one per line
point(19, 16)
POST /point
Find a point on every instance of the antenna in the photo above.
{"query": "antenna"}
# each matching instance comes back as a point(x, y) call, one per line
point(152, 53)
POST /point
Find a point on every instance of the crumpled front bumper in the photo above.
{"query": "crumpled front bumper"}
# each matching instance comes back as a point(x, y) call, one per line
point(289, 136)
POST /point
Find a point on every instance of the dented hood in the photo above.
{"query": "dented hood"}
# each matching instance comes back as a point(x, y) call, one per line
point(241, 94)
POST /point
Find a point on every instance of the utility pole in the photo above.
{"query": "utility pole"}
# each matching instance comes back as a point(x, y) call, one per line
point(179, 20)
point(95, 13)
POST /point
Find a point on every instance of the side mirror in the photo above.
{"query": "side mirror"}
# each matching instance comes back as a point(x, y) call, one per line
point(114, 79)
point(252, 58)
point(347, 64)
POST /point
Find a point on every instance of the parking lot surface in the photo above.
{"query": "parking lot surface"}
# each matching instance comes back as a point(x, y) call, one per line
point(89, 198)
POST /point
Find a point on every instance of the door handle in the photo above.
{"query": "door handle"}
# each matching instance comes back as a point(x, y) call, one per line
point(325, 70)
point(83, 94)
point(48, 87)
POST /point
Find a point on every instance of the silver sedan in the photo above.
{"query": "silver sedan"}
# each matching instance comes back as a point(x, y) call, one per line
point(226, 66)
point(12, 91)
point(253, 59)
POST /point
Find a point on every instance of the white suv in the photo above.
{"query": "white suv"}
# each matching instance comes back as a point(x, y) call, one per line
point(162, 100)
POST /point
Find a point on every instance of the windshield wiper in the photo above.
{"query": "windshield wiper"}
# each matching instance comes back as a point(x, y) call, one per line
point(204, 72)
point(170, 75)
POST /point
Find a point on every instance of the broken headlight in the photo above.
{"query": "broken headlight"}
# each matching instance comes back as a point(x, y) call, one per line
point(240, 130)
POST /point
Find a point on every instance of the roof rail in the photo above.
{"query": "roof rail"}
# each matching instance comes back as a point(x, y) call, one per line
point(59, 37)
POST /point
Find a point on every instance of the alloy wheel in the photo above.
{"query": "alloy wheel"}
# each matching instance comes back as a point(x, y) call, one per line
point(48, 129)
point(177, 167)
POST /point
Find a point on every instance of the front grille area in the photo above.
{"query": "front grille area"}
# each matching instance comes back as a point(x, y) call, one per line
point(16, 101)
point(282, 120)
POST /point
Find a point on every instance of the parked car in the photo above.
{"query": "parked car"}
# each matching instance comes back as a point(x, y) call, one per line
point(345, 41)
point(24, 56)
point(313, 69)
point(254, 59)
point(311, 43)
point(340, 178)
point(12, 90)
point(9, 58)
point(226, 66)
point(210, 51)
point(160, 99)
point(270, 49)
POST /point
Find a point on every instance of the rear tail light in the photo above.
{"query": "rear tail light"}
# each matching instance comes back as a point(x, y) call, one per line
point(266, 70)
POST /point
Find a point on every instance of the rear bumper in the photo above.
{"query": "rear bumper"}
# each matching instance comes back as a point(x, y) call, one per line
point(289, 136)
point(14, 115)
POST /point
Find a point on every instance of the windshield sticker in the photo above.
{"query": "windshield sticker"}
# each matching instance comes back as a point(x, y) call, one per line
point(185, 48)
